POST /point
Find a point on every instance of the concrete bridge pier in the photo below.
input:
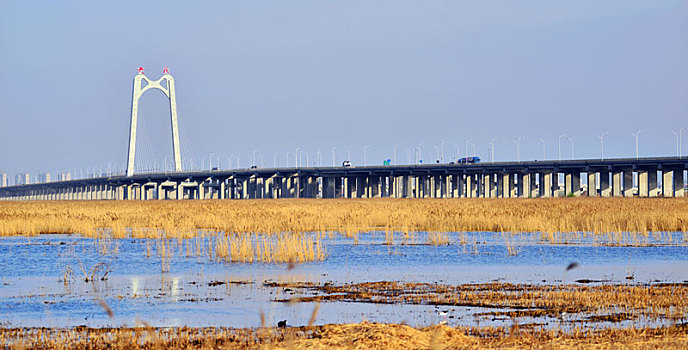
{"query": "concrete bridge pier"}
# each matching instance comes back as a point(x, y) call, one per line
point(592, 184)
point(546, 185)
point(617, 188)
point(572, 184)
point(605, 189)
point(329, 188)
point(672, 182)
point(628, 189)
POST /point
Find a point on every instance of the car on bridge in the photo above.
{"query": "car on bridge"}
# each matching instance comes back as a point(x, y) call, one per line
point(468, 160)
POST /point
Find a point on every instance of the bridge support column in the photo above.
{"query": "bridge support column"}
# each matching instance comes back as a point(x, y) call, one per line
point(652, 186)
point(546, 185)
point(592, 184)
point(643, 188)
point(405, 186)
point(223, 189)
point(471, 186)
point(328, 184)
point(572, 184)
point(260, 187)
point(181, 191)
point(435, 186)
point(521, 187)
point(672, 182)
point(617, 189)
point(455, 184)
point(373, 186)
point(534, 192)
point(679, 185)
point(507, 185)
point(628, 189)
point(605, 190)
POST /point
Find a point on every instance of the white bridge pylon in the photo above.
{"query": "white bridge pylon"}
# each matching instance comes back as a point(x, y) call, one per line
point(166, 85)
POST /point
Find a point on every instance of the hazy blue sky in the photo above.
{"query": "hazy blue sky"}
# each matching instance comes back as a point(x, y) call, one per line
point(271, 76)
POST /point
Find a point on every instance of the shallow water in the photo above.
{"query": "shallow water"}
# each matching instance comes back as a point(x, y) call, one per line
point(33, 291)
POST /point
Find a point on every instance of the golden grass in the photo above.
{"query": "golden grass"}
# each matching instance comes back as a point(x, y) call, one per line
point(620, 219)
point(363, 335)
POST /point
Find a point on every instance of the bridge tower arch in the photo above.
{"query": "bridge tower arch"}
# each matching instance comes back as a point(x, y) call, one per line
point(166, 85)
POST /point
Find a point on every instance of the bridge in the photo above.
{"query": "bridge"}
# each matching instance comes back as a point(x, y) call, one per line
point(587, 177)
point(624, 177)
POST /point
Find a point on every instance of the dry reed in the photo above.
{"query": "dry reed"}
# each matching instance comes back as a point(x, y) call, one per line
point(363, 335)
point(623, 219)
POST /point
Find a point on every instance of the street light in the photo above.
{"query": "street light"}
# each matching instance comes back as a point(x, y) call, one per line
point(492, 145)
point(544, 153)
point(467, 142)
point(601, 137)
point(518, 147)
point(333, 157)
point(419, 157)
point(365, 155)
point(442, 151)
point(635, 134)
point(297, 156)
point(560, 136)
point(274, 160)
point(572, 154)
point(679, 143)
point(437, 152)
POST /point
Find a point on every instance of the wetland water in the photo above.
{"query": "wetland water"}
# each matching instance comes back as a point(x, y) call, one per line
point(42, 278)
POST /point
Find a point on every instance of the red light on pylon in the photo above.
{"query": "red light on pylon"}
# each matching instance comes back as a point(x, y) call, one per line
point(140, 70)
point(165, 71)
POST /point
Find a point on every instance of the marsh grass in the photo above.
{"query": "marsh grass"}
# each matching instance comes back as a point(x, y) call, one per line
point(365, 335)
point(620, 219)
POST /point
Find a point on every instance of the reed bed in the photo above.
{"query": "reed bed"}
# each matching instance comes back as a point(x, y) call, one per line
point(235, 248)
point(363, 335)
point(615, 218)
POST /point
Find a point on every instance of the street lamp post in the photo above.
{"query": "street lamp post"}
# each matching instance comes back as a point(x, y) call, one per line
point(467, 142)
point(442, 151)
point(492, 146)
point(297, 156)
point(680, 142)
point(635, 134)
point(572, 154)
point(544, 153)
point(333, 157)
point(601, 137)
point(419, 157)
point(518, 147)
point(560, 136)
